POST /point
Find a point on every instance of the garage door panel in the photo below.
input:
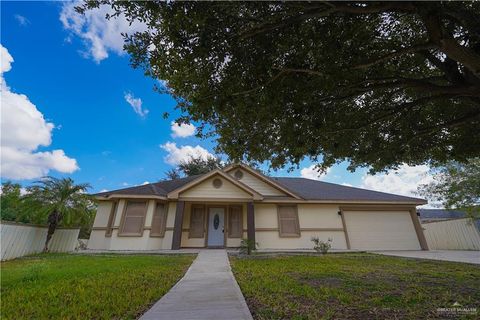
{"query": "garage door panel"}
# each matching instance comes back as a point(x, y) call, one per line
point(381, 230)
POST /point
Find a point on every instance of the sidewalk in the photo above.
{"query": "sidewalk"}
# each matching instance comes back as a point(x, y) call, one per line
point(207, 291)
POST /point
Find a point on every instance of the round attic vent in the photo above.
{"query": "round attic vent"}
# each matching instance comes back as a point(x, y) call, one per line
point(238, 174)
point(217, 183)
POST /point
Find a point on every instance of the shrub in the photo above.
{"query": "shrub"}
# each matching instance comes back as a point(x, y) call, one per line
point(247, 246)
point(320, 245)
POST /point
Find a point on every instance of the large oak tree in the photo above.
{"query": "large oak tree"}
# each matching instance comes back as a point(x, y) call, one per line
point(375, 83)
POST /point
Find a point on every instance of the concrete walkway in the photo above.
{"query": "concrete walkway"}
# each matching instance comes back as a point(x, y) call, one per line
point(207, 291)
point(445, 255)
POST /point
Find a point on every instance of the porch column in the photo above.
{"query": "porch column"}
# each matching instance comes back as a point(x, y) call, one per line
point(177, 227)
point(250, 222)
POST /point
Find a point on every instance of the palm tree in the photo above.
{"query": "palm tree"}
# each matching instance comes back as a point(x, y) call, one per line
point(61, 200)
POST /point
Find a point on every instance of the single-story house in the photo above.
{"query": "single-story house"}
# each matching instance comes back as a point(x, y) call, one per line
point(222, 207)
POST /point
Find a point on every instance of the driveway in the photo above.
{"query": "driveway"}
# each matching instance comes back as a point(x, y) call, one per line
point(445, 255)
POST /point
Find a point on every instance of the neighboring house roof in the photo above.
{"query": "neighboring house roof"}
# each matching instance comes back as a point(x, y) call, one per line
point(319, 190)
point(440, 214)
point(307, 189)
point(432, 215)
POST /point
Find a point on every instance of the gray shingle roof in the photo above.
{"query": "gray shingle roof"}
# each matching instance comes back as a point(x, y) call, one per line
point(305, 188)
point(428, 214)
point(319, 190)
point(160, 188)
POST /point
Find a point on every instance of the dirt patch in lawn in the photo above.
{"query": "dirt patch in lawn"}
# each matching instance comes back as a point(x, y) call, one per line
point(317, 282)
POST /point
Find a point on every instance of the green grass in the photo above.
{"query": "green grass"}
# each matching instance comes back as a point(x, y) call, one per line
point(354, 286)
point(63, 286)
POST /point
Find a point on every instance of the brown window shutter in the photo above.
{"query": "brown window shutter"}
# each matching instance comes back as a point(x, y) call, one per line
point(111, 219)
point(235, 222)
point(288, 221)
point(134, 218)
point(159, 220)
point(197, 221)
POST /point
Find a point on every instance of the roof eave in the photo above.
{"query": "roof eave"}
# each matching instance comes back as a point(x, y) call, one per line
point(128, 196)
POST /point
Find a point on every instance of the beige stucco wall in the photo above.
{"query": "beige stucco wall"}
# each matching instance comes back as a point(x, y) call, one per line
point(97, 237)
point(257, 184)
point(310, 216)
point(186, 241)
point(206, 190)
point(200, 242)
point(98, 240)
point(367, 229)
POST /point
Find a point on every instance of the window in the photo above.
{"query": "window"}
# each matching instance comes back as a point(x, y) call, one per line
point(235, 222)
point(238, 174)
point(159, 220)
point(197, 221)
point(217, 183)
point(111, 219)
point(133, 218)
point(288, 225)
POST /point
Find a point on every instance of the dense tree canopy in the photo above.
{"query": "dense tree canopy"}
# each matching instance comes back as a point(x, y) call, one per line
point(194, 166)
point(11, 205)
point(375, 83)
point(456, 185)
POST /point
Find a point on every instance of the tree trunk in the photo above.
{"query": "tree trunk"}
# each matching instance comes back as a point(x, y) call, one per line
point(53, 219)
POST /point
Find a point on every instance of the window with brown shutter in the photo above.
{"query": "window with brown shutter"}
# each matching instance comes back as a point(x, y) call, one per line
point(159, 220)
point(235, 222)
point(288, 225)
point(111, 219)
point(197, 221)
point(133, 218)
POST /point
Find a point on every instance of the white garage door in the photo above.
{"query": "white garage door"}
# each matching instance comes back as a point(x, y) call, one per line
point(381, 230)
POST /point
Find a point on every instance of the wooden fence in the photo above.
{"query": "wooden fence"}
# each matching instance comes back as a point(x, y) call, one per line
point(18, 239)
point(457, 234)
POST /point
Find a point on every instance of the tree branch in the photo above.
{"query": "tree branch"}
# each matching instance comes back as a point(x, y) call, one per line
point(412, 49)
point(448, 45)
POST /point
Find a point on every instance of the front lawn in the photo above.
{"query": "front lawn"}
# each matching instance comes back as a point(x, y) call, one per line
point(355, 286)
point(63, 286)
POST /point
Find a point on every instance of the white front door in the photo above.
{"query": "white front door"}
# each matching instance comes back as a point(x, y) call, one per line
point(216, 227)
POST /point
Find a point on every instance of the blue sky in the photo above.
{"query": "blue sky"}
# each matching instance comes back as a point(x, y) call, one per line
point(72, 71)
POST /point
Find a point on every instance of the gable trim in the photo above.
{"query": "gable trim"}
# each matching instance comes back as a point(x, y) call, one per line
point(262, 178)
point(175, 193)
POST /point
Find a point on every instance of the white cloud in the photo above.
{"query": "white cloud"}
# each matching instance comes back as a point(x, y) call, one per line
point(125, 184)
point(347, 184)
point(24, 130)
point(23, 21)
point(145, 182)
point(6, 60)
point(104, 190)
point(136, 104)
point(403, 181)
point(312, 173)
point(99, 34)
point(177, 155)
point(183, 130)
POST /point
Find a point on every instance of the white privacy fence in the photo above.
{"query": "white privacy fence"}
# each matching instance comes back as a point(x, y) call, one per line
point(458, 234)
point(19, 239)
